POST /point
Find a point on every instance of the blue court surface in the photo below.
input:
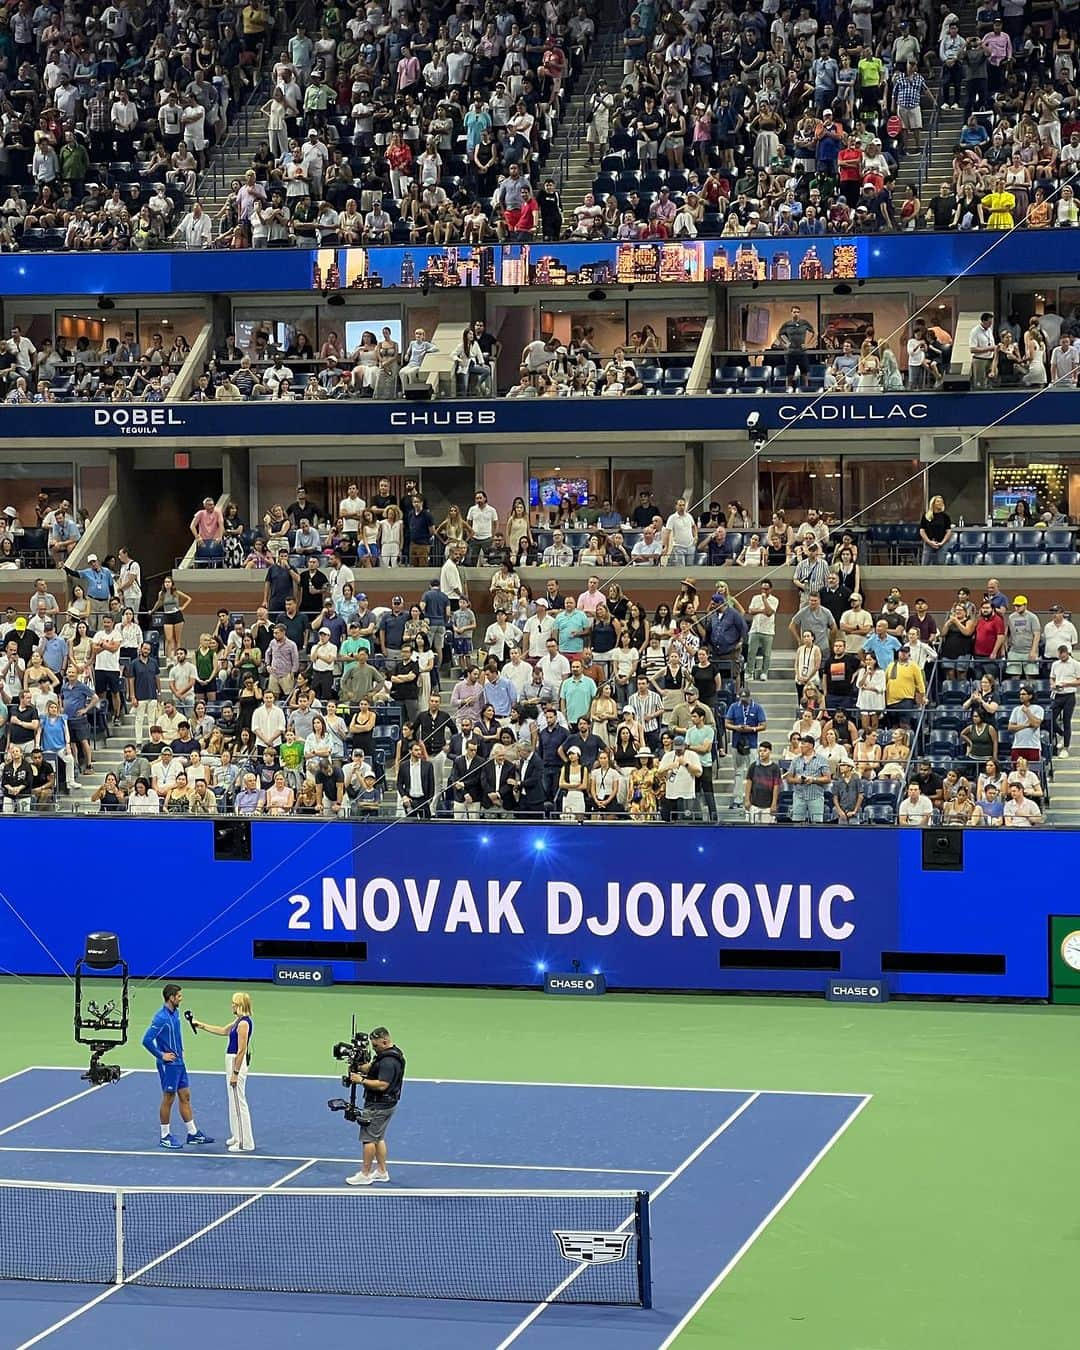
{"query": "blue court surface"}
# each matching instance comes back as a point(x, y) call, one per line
point(717, 1164)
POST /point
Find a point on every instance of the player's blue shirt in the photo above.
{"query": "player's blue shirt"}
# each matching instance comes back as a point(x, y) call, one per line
point(163, 1034)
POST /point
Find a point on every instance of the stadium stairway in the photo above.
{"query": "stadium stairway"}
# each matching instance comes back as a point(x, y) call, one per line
point(569, 149)
point(1064, 809)
point(938, 169)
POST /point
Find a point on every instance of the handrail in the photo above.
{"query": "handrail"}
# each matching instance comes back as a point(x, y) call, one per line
point(927, 154)
point(575, 127)
point(189, 372)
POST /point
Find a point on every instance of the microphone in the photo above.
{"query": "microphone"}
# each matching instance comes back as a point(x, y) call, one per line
point(190, 1019)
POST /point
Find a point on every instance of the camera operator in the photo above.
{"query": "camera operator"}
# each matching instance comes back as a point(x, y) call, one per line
point(382, 1078)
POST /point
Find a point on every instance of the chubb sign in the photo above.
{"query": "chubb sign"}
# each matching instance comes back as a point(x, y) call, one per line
point(138, 421)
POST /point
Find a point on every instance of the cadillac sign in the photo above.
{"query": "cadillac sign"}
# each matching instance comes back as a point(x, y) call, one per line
point(847, 410)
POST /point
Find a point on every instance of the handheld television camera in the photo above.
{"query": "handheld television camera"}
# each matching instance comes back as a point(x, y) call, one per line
point(354, 1052)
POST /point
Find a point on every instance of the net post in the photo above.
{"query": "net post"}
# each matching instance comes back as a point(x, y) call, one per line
point(644, 1255)
point(119, 1202)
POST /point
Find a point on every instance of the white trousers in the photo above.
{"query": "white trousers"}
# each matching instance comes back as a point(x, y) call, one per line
point(239, 1114)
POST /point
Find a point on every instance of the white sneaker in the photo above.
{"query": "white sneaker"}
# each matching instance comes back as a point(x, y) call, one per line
point(231, 1141)
point(235, 1148)
point(1064, 754)
point(359, 1179)
point(380, 1176)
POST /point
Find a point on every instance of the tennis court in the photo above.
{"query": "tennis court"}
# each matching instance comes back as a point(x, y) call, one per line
point(718, 1165)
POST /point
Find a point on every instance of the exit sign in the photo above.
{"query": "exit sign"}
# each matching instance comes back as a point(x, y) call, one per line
point(181, 459)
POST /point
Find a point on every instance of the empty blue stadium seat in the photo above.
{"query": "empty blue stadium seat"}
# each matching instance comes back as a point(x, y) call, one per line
point(963, 558)
point(880, 813)
point(1026, 539)
point(1058, 539)
point(882, 790)
point(999, 558)
point(1031, 557)
point(975, 539)
point(1064, 559)
point(953, 691)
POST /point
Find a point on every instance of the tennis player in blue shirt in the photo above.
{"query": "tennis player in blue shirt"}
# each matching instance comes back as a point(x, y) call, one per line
point(166, 1044)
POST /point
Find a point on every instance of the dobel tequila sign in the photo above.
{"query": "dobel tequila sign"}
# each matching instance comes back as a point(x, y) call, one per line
point(138, 421)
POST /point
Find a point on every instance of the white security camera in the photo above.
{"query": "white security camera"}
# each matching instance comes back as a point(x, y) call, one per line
point(753, 421)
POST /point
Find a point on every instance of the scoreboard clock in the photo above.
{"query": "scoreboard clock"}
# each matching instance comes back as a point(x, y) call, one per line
point(1065, 958)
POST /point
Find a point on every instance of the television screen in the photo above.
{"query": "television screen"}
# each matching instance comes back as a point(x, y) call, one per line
point(550, 491)
point(1004, 503)
point(356, 328)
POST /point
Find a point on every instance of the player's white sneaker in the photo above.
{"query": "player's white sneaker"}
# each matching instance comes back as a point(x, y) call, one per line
point(381, 1176)
point(235, 1148)
point(359, 1179)
point(231, 1141)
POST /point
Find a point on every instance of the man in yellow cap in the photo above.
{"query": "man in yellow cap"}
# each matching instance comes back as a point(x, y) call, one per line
point(1022, 629)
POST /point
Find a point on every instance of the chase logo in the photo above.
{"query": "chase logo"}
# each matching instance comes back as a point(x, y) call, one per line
point(596, 1249)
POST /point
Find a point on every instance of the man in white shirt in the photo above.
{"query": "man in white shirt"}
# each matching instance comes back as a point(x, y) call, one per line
point(1059, 631)
point(1064, 681)
point(1064, 361)
point(648, 549)
point(23, 351)
point(450, 580)
point(916, 809)
point(129, 581)
point(762, 611)
point(537, 630)
point(558, 553)
point(164, 771)
point(519, 673)
point(196, 229)
point(105, 646)
point(981, 347)
point(680, 536)
point(1021, 810)
point(554, 668)
point(182, 677)
point(268, 723)
point(483, 520)
point(680, 768)
point(339, 576)
point(856, 624)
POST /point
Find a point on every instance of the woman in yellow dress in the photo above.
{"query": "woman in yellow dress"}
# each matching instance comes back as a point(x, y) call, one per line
point(641, 796)
point(1000, 203)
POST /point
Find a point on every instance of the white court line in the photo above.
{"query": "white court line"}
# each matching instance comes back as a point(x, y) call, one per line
point(9, 1076)
point(519, 1082)
point(115, 1288)
point(670, 1340)
point(27, 1120)
point(654, 1196)
point(300, 1157)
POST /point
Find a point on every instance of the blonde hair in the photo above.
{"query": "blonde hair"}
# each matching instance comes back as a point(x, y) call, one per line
point(243, 1002)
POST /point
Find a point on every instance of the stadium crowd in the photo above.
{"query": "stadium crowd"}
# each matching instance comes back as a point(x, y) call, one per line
point(772, 122)
point(574, 703)
point(412, 128)
point(109, 115)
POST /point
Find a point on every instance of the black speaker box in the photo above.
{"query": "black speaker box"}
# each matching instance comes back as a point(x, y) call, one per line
point(232, 840)
point(942, 850)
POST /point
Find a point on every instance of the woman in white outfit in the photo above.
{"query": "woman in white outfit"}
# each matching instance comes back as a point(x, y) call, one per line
point(239, 1031)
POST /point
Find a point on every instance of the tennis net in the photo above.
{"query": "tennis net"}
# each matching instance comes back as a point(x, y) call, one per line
point(506, 1246)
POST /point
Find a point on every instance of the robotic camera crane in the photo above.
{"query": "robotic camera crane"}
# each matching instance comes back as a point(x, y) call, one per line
point(103, 1026)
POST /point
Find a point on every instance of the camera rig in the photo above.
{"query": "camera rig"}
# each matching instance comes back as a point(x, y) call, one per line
point(354, 1052)
point(101, 1026)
